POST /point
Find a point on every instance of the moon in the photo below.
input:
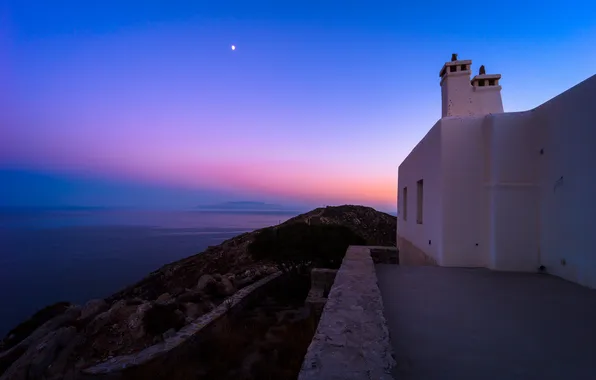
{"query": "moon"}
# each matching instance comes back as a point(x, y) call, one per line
point(233, 47)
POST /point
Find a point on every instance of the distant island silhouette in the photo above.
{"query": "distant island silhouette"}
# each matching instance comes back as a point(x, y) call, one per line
point(243, 206)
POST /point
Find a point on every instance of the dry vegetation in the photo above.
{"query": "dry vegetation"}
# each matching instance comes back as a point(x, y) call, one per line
point(267, 340)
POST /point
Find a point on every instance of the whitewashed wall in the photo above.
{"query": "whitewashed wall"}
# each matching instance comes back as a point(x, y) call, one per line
point(508, 191)
point(424, 162)
point(513, 191)
point(465, 207)
point(568, 207)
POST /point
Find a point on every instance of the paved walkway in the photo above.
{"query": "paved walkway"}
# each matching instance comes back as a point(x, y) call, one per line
point(456, 323)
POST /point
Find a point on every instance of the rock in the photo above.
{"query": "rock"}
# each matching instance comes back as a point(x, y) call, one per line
point(104, 318)
point(160, 318)
point(241, 283)
point(180, 314)
point(134, 301)
point(36, 320)
point(164, 299)
point(217, 277)
point(267, 270)
point(57, 368)
point(117, 306)
point(204, 281)
point(92, 308)
point(225, 287)
point(193, 310)
point(38, 357)
point(194, 296)
point(9, 356)
point(249, 273)
point(169, 334)
point(135, 321)
point(207, 306)
point(231, 277)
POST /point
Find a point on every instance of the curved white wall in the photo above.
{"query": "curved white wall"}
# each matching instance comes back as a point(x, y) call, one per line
point(568, 206)
point(513, 191)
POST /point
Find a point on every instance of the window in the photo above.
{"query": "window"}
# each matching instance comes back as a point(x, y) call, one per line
point(405, 203)
point(420, 200)
point(491, 82)
point(464, 67)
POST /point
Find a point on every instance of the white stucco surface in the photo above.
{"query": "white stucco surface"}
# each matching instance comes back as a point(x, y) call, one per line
point(514, 153)
point(568, 205)
point(506, 191)
point(424, 162)
point(465, 214)
point(461, 96)
point(488, 100)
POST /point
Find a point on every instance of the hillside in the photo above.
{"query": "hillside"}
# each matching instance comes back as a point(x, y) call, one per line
point(377, 228)
point(169, 298)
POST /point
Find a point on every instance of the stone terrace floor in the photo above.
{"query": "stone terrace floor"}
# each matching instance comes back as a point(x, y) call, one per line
point(459, 323)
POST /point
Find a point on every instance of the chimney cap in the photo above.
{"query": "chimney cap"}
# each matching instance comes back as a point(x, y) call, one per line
point(466, 62)
point(486, 76)
point(453, 57)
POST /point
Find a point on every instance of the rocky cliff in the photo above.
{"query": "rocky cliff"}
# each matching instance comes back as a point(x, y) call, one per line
point(377, 228)
point(62, 339)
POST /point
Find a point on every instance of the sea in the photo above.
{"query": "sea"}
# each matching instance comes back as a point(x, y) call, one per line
point(51, 255)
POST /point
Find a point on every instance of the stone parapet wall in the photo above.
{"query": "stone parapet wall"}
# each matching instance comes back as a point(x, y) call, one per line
point(352, 338)
point(158, 360)
point(409, 254)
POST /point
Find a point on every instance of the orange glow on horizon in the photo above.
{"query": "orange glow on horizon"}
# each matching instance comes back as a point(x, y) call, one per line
point(326, 182)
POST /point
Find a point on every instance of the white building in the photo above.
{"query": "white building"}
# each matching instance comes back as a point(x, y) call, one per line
point(509, 191)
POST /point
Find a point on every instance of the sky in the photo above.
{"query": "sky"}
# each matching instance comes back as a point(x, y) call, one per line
point(145, 104)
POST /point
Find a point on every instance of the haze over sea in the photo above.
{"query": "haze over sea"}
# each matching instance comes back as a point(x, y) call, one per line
point(50, 255)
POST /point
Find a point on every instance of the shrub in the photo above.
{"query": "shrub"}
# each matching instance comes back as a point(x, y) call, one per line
point(161, 318)
point(296, 247)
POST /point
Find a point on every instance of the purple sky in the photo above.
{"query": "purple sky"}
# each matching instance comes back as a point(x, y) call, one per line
point(317, 105)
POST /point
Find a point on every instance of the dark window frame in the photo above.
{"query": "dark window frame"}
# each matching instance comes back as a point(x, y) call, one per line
point(420, 201)
point(405, 203)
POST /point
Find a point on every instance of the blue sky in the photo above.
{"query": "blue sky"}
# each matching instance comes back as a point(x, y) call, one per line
point(319, 103)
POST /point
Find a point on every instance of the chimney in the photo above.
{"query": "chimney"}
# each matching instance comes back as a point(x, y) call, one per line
point(487, 92)
point(456, 90)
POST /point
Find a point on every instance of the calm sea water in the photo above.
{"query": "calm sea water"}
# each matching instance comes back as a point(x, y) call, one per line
point(75, 255)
